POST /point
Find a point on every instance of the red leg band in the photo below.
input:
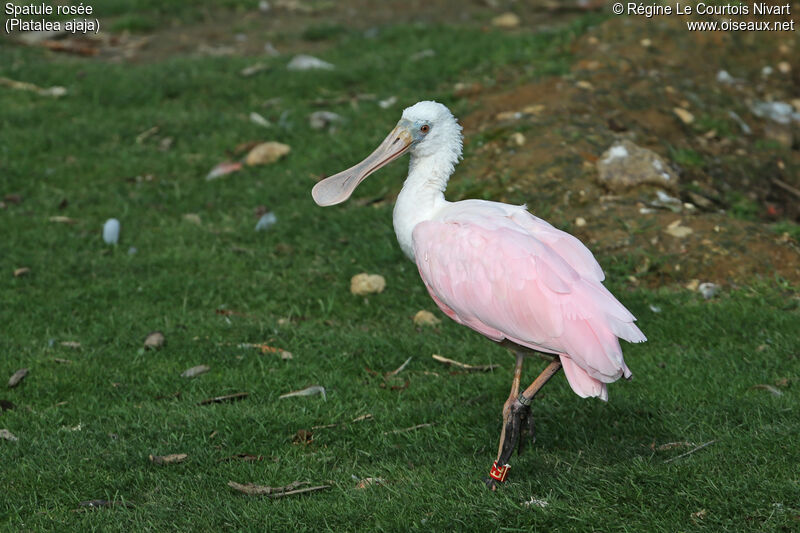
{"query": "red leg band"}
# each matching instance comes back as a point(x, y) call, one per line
point(499, 472)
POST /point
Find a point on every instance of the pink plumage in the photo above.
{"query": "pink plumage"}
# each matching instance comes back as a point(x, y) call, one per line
point(510, 275)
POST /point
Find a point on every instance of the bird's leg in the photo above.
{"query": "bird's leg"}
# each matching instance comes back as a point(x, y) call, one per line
point(516, 412)
point(497, 473)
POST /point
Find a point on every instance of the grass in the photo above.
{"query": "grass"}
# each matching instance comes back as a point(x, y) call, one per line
point(86, 429)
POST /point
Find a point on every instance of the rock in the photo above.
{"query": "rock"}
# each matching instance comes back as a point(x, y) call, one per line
point(193, 218)
point(580, 222)
point(322, 119)
point(668, 202)
point(725, 78)
point(266, 221)
point(306, 62)
point(154, 340)
point(780, 112)
point(516, 139)
point(267, 153)
point(685, 116)
point(111, 231)
point(506, 20)
point(676, 230)
point(626, 165)
point(708, 289)
point(426, 318)
point(364, 283)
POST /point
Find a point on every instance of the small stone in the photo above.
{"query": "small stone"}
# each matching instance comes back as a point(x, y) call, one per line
point(306, 62)
point(266, 153)
point(625, 166)
point(364, 283)
point(517, 139)
point(193, 218)
point(676, 230)
point(685, 116)
point(784, 67)
point(725, 78)
point(647, 43)
point(506, 20)
point(154, 340)
point(426, 318)
point(709, 290)
point(111, 231)
point(322, 119)
point(266, 221)
point(585, 85)
point(580, 222)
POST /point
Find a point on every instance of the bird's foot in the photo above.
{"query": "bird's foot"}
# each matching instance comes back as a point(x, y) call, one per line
point(519, 428)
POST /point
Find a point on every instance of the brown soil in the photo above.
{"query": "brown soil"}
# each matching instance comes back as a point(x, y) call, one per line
point(628, 77)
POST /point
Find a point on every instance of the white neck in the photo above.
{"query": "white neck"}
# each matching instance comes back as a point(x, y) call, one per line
point(422, 195)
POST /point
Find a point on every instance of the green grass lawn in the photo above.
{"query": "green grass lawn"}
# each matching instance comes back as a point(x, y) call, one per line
point(86, 428)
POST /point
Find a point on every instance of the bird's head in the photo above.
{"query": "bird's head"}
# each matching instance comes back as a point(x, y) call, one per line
point(426, 129)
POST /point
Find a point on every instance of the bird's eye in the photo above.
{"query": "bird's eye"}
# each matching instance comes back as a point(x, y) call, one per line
point(424, 128)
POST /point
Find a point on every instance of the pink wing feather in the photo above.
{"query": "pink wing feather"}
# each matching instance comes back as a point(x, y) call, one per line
point(510, 275)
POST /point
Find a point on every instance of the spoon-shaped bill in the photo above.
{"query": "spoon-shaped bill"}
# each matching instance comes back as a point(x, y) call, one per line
point(338, 188)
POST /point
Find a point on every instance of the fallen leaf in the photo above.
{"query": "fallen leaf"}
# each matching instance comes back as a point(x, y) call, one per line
point(7, 435)
point(275, 492)
point(242, 457)
point(699, 515)
point(303, 436)
point(71, 344)
point(266, 153)
point(364, 283)
point(62, 361)
point(252, 70)
point(769, 388)
point(168, 459)
point(308, 391)
point(223, 169)
point(370, 481)
point(226, 398)
point(55, 91)
point(258, 119)
point(18, 376)
point(154, 340)
point(426, 318)
point(195, 371)
point(62, 219)
point(23, 271)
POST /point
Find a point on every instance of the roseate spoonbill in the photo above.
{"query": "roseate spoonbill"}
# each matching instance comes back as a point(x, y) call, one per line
point(499, 270)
